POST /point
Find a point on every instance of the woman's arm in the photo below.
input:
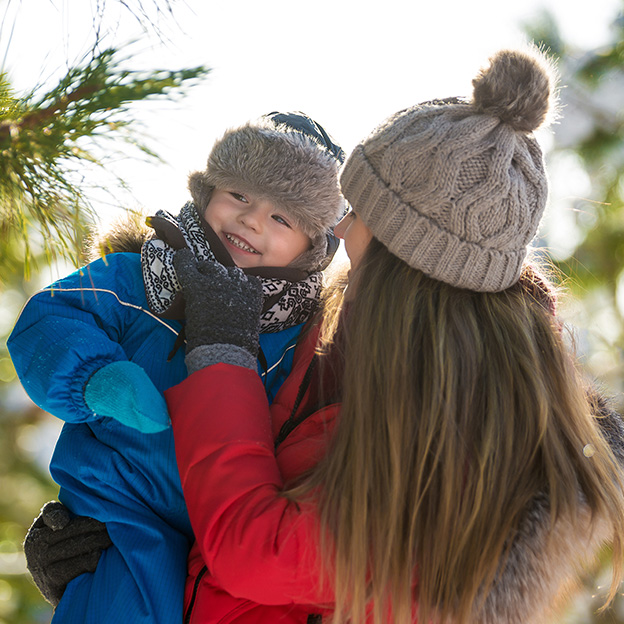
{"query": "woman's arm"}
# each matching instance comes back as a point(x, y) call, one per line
point(255, 542)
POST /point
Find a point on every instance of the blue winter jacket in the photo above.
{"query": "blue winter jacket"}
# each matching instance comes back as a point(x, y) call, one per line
point(127, 479)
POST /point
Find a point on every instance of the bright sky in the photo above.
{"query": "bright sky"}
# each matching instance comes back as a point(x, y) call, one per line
point(347, 63)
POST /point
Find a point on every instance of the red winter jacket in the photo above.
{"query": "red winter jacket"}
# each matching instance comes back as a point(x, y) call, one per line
point(256, 556)
point(255, 559)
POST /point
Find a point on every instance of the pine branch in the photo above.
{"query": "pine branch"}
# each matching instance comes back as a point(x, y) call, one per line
point(43, 139)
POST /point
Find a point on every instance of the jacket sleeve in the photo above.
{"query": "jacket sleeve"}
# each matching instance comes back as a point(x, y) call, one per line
point(257, 544)
point(71, 329)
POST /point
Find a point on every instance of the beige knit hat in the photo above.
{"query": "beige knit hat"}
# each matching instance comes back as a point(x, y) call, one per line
point(457, 188)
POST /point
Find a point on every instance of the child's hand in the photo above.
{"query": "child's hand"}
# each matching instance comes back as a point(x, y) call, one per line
point(59, 547)
point(223, 305)
point(123, 391)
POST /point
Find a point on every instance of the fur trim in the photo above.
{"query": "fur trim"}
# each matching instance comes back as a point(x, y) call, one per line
point(609, 421)
point(126, 234)
point(542, 566)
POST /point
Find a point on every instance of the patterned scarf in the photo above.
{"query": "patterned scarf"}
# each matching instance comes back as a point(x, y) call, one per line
point(290, 295)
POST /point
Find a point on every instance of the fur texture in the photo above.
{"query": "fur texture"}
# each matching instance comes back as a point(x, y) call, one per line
point(540, 565)
point(126, 234)
point(285, 166)
point(517, 88)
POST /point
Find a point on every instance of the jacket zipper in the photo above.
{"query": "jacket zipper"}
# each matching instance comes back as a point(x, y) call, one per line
point(189, 612)
point(313, 618)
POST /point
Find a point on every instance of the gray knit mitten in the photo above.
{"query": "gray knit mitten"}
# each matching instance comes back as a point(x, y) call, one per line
point(222, 309)
point(59, 547)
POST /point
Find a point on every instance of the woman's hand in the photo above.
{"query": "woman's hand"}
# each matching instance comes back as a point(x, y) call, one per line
point(223, 307)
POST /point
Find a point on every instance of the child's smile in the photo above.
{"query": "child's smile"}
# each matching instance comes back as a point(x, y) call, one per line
point(240, 243)
point(255, 231)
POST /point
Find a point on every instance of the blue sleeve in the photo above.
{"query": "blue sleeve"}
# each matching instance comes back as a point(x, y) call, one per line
point(136, 491)
point(74, 327)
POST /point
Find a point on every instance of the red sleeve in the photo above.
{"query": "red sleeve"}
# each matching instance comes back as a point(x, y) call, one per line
point(255, 543)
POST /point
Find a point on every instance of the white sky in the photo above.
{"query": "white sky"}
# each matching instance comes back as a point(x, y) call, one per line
point(347, 63)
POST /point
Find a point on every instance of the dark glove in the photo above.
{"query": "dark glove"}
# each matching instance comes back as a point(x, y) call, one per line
point(59, 547)
point(123, 391)
point(223, 307)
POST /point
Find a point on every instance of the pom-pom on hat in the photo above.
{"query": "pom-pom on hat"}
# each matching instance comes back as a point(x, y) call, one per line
point(287, 158)
point(457, 188)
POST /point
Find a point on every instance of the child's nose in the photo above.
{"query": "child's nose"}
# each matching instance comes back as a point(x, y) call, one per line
point(249, 218)
point(253, 217)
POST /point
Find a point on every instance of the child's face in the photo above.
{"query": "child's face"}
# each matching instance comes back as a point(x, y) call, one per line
point(254, 231)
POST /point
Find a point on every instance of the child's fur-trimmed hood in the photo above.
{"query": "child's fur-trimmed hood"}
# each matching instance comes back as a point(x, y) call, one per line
point(126, 234)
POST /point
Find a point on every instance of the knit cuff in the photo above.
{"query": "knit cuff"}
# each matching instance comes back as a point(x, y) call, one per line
point(206, 355)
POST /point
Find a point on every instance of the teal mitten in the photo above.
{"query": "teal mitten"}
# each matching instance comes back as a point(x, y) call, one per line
point(123, 391)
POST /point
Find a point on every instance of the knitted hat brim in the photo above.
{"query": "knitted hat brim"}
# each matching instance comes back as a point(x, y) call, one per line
point(421, 242)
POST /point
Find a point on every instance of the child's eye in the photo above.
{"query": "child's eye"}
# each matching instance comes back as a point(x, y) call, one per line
point(239, 196)
point(281, 220)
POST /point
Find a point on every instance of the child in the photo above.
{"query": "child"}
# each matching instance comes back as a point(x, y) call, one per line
point(98, 349)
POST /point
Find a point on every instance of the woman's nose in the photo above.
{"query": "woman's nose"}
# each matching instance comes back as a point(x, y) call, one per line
point(341, 226)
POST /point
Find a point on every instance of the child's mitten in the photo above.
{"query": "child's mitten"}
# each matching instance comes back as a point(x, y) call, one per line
point(123, 391)
point(59, 547)
point(223, 307)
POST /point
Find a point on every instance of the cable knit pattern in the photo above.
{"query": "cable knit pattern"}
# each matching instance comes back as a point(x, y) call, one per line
point(457, 188)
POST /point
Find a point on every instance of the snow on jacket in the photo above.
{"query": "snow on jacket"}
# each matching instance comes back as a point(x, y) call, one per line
point(127, 479)
point(255, 559)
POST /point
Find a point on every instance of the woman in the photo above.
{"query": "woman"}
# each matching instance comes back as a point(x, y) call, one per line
point(434, 454)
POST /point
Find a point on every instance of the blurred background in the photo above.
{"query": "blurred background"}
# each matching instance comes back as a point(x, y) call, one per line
point(107, 105)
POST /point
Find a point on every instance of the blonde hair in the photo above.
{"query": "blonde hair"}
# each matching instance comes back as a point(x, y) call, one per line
point(459, 408)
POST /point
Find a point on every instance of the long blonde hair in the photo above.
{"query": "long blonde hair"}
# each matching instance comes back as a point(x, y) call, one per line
point(458, 409)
